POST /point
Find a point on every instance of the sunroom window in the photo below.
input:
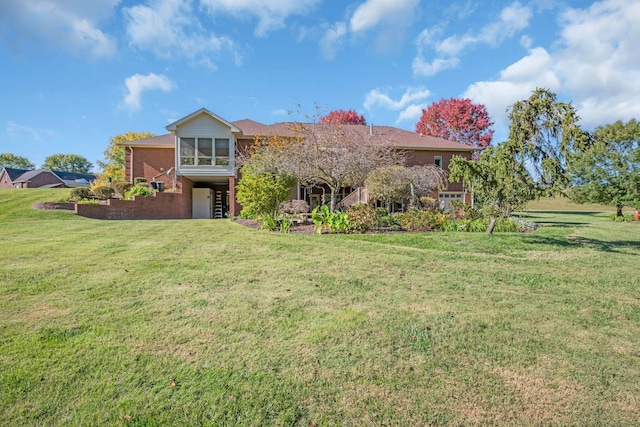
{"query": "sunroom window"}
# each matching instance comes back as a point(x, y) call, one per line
point(222, 152)
point(203, 152)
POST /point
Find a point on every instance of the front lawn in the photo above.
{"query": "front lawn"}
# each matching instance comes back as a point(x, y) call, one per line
point(208, 322)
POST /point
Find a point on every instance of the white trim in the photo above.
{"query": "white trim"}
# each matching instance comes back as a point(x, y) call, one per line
point(173, 127)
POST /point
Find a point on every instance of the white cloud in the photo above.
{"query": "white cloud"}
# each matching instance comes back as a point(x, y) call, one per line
point(170, 28)
point(375, 12)
point(376, 97)
point(595, 64)
point(513, 18)
point(271, 14)
point(390, 18)
point(421, 67)
point(332, 39)
point(23, 133)
point(71, 24)
point(516, 82)
point(137, 84)
point(411, 102)
point(411, 113)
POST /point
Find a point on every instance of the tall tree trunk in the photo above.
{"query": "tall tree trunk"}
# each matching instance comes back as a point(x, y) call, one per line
point(492, 224)
point(332, 203)
point(618, 210)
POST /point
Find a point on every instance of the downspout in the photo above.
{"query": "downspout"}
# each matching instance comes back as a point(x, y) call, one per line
point(131, 164)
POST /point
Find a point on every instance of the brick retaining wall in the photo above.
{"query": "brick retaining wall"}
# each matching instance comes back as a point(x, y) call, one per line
point(158, 206)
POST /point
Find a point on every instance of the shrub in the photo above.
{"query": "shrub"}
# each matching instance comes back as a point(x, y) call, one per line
point(263, 193)
point(419, 220)
point(79, 193)
point(103, 192)
point(268, 223)
point(465, 211)
point(295, 207)
point(363, 217)
point(121, 186)
point(336, 222)
point(285, 226)
point(503, 225)
point(138, 190)
point(524, 224)
point(139, 180)
point(623, 218)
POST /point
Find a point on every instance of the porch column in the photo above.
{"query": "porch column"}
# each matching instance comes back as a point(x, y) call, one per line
point(234, 206)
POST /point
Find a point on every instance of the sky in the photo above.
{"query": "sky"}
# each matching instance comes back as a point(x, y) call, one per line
point(76, 73)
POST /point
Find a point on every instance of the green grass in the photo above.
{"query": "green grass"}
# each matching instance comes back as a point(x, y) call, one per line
point(255, 328)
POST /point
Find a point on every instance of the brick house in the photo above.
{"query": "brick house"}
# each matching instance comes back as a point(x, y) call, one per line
point(43, 178)
point(196, 161)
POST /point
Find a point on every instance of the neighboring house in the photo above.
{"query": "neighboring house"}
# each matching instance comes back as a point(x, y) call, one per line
point(197, 160)
point(43, 178)
point(9, 175)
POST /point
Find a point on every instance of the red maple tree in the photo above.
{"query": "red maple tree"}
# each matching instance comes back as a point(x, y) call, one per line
point(458, 120)
point(343, 117)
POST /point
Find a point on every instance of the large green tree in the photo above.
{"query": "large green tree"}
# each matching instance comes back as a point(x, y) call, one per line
point(67, 163)
point(608, 172)
point(113, 165)
point(498, 179)
point(544, 132)
point(8, 160)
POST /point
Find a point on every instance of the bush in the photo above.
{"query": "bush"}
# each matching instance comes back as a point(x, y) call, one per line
point(336, 222)
point(79, 193)
point(268, 223)
point(285, 226)
point(419, 220)
point(295, 207)
point(503, 225)
point(138, 190)
point(363, 217)
point(121, 186)
point(103, 192)
point(139, 180)
point(465, 211)
point(623, 218)
point(524, 224)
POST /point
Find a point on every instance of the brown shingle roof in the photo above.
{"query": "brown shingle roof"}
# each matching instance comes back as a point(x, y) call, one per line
point(378, 134)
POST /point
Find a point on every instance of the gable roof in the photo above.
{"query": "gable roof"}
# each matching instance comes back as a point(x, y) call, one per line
point(174, 126)
point(29, 175)
point(70, 179)
point(14, 173)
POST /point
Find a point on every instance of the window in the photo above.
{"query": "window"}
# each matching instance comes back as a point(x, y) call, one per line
point(437, 160)
point(187, 151)
point(203, 152)
point(222, 152)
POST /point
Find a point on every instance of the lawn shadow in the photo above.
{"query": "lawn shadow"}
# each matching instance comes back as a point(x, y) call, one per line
point(614, 246)
point(556, 222)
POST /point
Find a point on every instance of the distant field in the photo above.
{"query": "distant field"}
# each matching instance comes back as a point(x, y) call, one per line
point(564, 204)
point(206, 322)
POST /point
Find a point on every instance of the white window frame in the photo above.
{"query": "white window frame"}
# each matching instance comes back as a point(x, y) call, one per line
point(209, 161)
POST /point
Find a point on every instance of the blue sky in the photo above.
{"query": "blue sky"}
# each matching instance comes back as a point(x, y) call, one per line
point(76, 72)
